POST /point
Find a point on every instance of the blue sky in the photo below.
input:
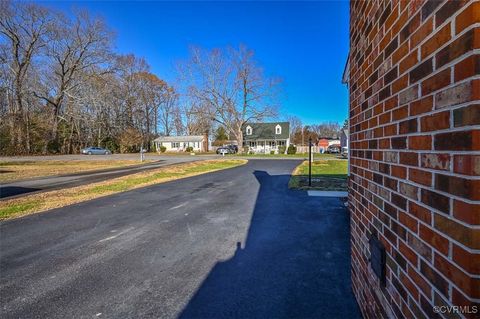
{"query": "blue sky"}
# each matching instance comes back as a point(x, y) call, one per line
point(304, 43)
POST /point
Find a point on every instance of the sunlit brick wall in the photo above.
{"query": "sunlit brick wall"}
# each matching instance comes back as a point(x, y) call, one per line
point(415, 155)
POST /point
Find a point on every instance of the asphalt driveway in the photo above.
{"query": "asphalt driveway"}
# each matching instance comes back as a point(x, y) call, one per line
point(230, 244)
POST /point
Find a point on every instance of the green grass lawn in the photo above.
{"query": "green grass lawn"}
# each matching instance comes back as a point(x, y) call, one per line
point(326, 175)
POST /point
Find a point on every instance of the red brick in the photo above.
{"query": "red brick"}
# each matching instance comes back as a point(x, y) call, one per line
point(447, 10)
point(436, 200)
point(391, 103)
point(470, 286)
point(466, 212)
point(467, 164)
point(401, 51)
point(407, 62)
point(458, 141)
point(399, 142)
point(420, 176)
point(437, 41)
point(462, 187)
point(422, 33)
point(435, 278)
point(399, 171)
point(470, 237)
point(460, 46)
point(421, 106)
point(409, 222)
point(468, 115)
point(435, 161)
point(436, 82)
point(461, 93)
point(400, 84)
point(468, 17)
point(406, 282)
point(459, 299)
point(419, 281)
point(435, 239)
point(410, 28)
point(400, 113)
point(420, 142)
point(390, 130)
point(466, 68)
point(409, 158)
point(434, 122)
point(470, 262)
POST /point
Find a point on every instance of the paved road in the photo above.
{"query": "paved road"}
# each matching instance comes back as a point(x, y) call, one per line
point(41, 184)
point(230, 244)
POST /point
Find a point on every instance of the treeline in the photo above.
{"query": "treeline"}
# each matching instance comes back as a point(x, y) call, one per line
point(62, 87)
point(300, 133)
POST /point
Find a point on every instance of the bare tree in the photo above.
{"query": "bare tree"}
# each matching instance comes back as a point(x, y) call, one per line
point(24, 29)
point(228, 87)
point(296, 125)
point(77, 47)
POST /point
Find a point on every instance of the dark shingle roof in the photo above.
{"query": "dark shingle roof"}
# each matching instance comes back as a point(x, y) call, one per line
point(266, 131)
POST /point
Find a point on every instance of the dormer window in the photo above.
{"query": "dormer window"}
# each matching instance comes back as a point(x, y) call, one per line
point(249, 130)
point(278, 129)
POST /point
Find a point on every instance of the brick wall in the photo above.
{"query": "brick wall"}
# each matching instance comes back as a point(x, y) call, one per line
point(415, 155)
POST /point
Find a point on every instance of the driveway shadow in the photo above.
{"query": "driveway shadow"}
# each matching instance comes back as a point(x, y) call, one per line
point(295, 262)
point(9, 191)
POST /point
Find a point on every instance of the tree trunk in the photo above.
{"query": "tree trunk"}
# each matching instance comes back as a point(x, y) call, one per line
point(239, 137)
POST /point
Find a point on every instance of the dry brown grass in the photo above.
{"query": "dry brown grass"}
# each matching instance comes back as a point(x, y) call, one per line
point(13, 171)
point(35, 203)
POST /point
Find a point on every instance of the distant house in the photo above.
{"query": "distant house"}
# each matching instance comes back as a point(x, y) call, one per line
point(323, 145)
point(266, 137)
point(199, 143)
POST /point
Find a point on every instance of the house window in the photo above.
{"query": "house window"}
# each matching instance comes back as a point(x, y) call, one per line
point(278, 129)
point(249, 130)
point(281, 143)
point(175, 144)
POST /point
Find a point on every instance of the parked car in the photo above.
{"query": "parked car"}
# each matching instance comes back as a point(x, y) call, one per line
point(333, 149)
point(225, 150)
point(233, 148)
point(95, 151)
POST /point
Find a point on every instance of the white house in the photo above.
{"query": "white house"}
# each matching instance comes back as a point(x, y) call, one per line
point(199, 143)
point(266, 137)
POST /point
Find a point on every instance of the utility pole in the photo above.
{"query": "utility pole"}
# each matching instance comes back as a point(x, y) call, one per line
point(310, 162)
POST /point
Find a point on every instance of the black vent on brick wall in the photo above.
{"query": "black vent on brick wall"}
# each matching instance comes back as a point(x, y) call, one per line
point(377, 258)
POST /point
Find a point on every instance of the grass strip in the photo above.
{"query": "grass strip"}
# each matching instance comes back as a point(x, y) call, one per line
point(327, 175)
point(13, 171)
point(34, 203)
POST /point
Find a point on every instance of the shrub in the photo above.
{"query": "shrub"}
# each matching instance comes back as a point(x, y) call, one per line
point(163, 149)
point(272, 152)
point(292, 149)
point(245, 149)
point(189, 149)
point(282, 149)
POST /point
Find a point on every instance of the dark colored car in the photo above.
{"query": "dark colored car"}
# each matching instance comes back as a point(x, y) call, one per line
point(224, 150)
point(233, 148)
point(95, 151)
